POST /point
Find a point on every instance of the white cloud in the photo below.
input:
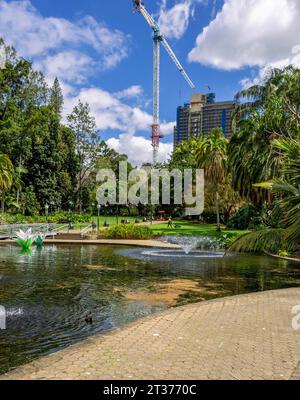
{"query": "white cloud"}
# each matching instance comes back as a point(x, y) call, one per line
point(129, 93)
point(257, 79)
point(48, 40)
point(251, 33)
point(139, 149)
point(113, 114)
point(70, 66)
point(174, 21)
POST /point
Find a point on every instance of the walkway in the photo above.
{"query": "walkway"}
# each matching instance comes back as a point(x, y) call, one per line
point(243, 337)
point(106, 242)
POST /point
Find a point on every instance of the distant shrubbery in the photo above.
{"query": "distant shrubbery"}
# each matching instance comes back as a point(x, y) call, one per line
point(127, 232)
point(57, 218)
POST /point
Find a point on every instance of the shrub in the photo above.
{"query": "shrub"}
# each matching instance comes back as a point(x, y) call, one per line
point(127, 232)
point(64, 217)
point(226, 240)
point(57, 218)
point(248, 217)
point(284, 253)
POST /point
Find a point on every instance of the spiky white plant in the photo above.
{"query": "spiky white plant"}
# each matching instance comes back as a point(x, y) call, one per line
point(24, 238)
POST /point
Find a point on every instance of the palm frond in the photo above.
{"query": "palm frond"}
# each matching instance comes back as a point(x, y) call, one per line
point(269, 240)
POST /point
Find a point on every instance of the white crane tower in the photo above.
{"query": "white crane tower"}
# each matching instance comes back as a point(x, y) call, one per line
point(158, 39)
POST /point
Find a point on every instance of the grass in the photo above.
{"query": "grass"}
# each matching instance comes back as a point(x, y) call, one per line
point(111, 220)
point(186, 228)
point(194, 229)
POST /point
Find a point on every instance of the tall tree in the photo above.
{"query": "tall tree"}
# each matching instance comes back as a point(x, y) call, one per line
point(56, 97)
point(212, 157)
point(87, 143)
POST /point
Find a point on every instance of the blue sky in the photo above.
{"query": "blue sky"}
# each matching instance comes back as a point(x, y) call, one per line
point(102, 53)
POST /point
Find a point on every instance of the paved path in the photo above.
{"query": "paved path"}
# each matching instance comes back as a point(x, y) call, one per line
point(113, 242)
point(243, 337)
point(118, 242)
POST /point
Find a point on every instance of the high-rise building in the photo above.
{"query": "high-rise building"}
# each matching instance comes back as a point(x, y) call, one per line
point(201, 115)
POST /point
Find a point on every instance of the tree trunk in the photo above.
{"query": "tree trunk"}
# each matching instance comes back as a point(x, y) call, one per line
point(218, 212)
point(3, 204)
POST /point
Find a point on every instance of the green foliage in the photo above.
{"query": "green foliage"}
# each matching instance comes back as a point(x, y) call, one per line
point(56, 98)
point(57, 218)
point(267, 240)
point(6, 172)
point(64, 217)
point(271, 111)
point(184, 156)
point(131, 231)
point(211, 155)
point(226, 240)
point(53, 164)
point(284, 253)
point(248, 217)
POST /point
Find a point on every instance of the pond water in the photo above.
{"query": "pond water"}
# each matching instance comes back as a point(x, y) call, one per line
point(63, 294)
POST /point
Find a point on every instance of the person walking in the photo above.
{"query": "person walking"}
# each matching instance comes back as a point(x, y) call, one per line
point(170, 222)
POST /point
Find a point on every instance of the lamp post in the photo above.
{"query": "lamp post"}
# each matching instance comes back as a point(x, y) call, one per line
point(98, 218)
point(117, 214)
point(47, 212)
point(70, 225)
point(105, 223)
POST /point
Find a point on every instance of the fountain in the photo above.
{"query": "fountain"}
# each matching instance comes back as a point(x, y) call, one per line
point(192, 247)
point(191, 244)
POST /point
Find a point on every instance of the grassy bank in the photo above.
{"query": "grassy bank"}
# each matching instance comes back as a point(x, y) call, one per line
point(185, 228)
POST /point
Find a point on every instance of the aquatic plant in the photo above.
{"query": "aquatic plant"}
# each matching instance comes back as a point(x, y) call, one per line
point(25, 239)
point(39, 240)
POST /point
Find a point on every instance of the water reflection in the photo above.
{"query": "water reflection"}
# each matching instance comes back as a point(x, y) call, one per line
point(49, 293)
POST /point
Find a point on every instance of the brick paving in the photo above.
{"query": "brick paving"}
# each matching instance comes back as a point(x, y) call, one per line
point(242, 337)
point(107, 242)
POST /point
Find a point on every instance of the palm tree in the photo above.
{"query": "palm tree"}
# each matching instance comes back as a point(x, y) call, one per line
point(286, 191)
point(254, 98)
point(6, 174)
point(272, 114)
point(212, 157)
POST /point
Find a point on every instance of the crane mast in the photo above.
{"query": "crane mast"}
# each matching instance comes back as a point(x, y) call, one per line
point(158, 39)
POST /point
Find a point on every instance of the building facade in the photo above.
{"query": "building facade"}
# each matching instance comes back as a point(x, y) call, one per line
point(201, 115)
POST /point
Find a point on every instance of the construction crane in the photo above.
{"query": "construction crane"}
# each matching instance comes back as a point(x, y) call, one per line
point(158, 39)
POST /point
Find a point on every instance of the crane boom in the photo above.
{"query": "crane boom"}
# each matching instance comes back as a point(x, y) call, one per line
point(177, 63)
point(155, 27)
point(148, 17)
point(158, 39)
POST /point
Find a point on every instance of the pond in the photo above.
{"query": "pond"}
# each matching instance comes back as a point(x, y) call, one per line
point(63, 294)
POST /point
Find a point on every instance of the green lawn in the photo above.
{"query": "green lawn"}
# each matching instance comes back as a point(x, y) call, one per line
point(193, 229)
point(112, 220)
point(186, 228)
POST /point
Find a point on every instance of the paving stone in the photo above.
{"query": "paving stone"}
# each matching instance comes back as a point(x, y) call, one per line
point(242, 337)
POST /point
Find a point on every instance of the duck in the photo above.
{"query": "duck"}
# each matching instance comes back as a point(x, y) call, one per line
point(89, 319)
